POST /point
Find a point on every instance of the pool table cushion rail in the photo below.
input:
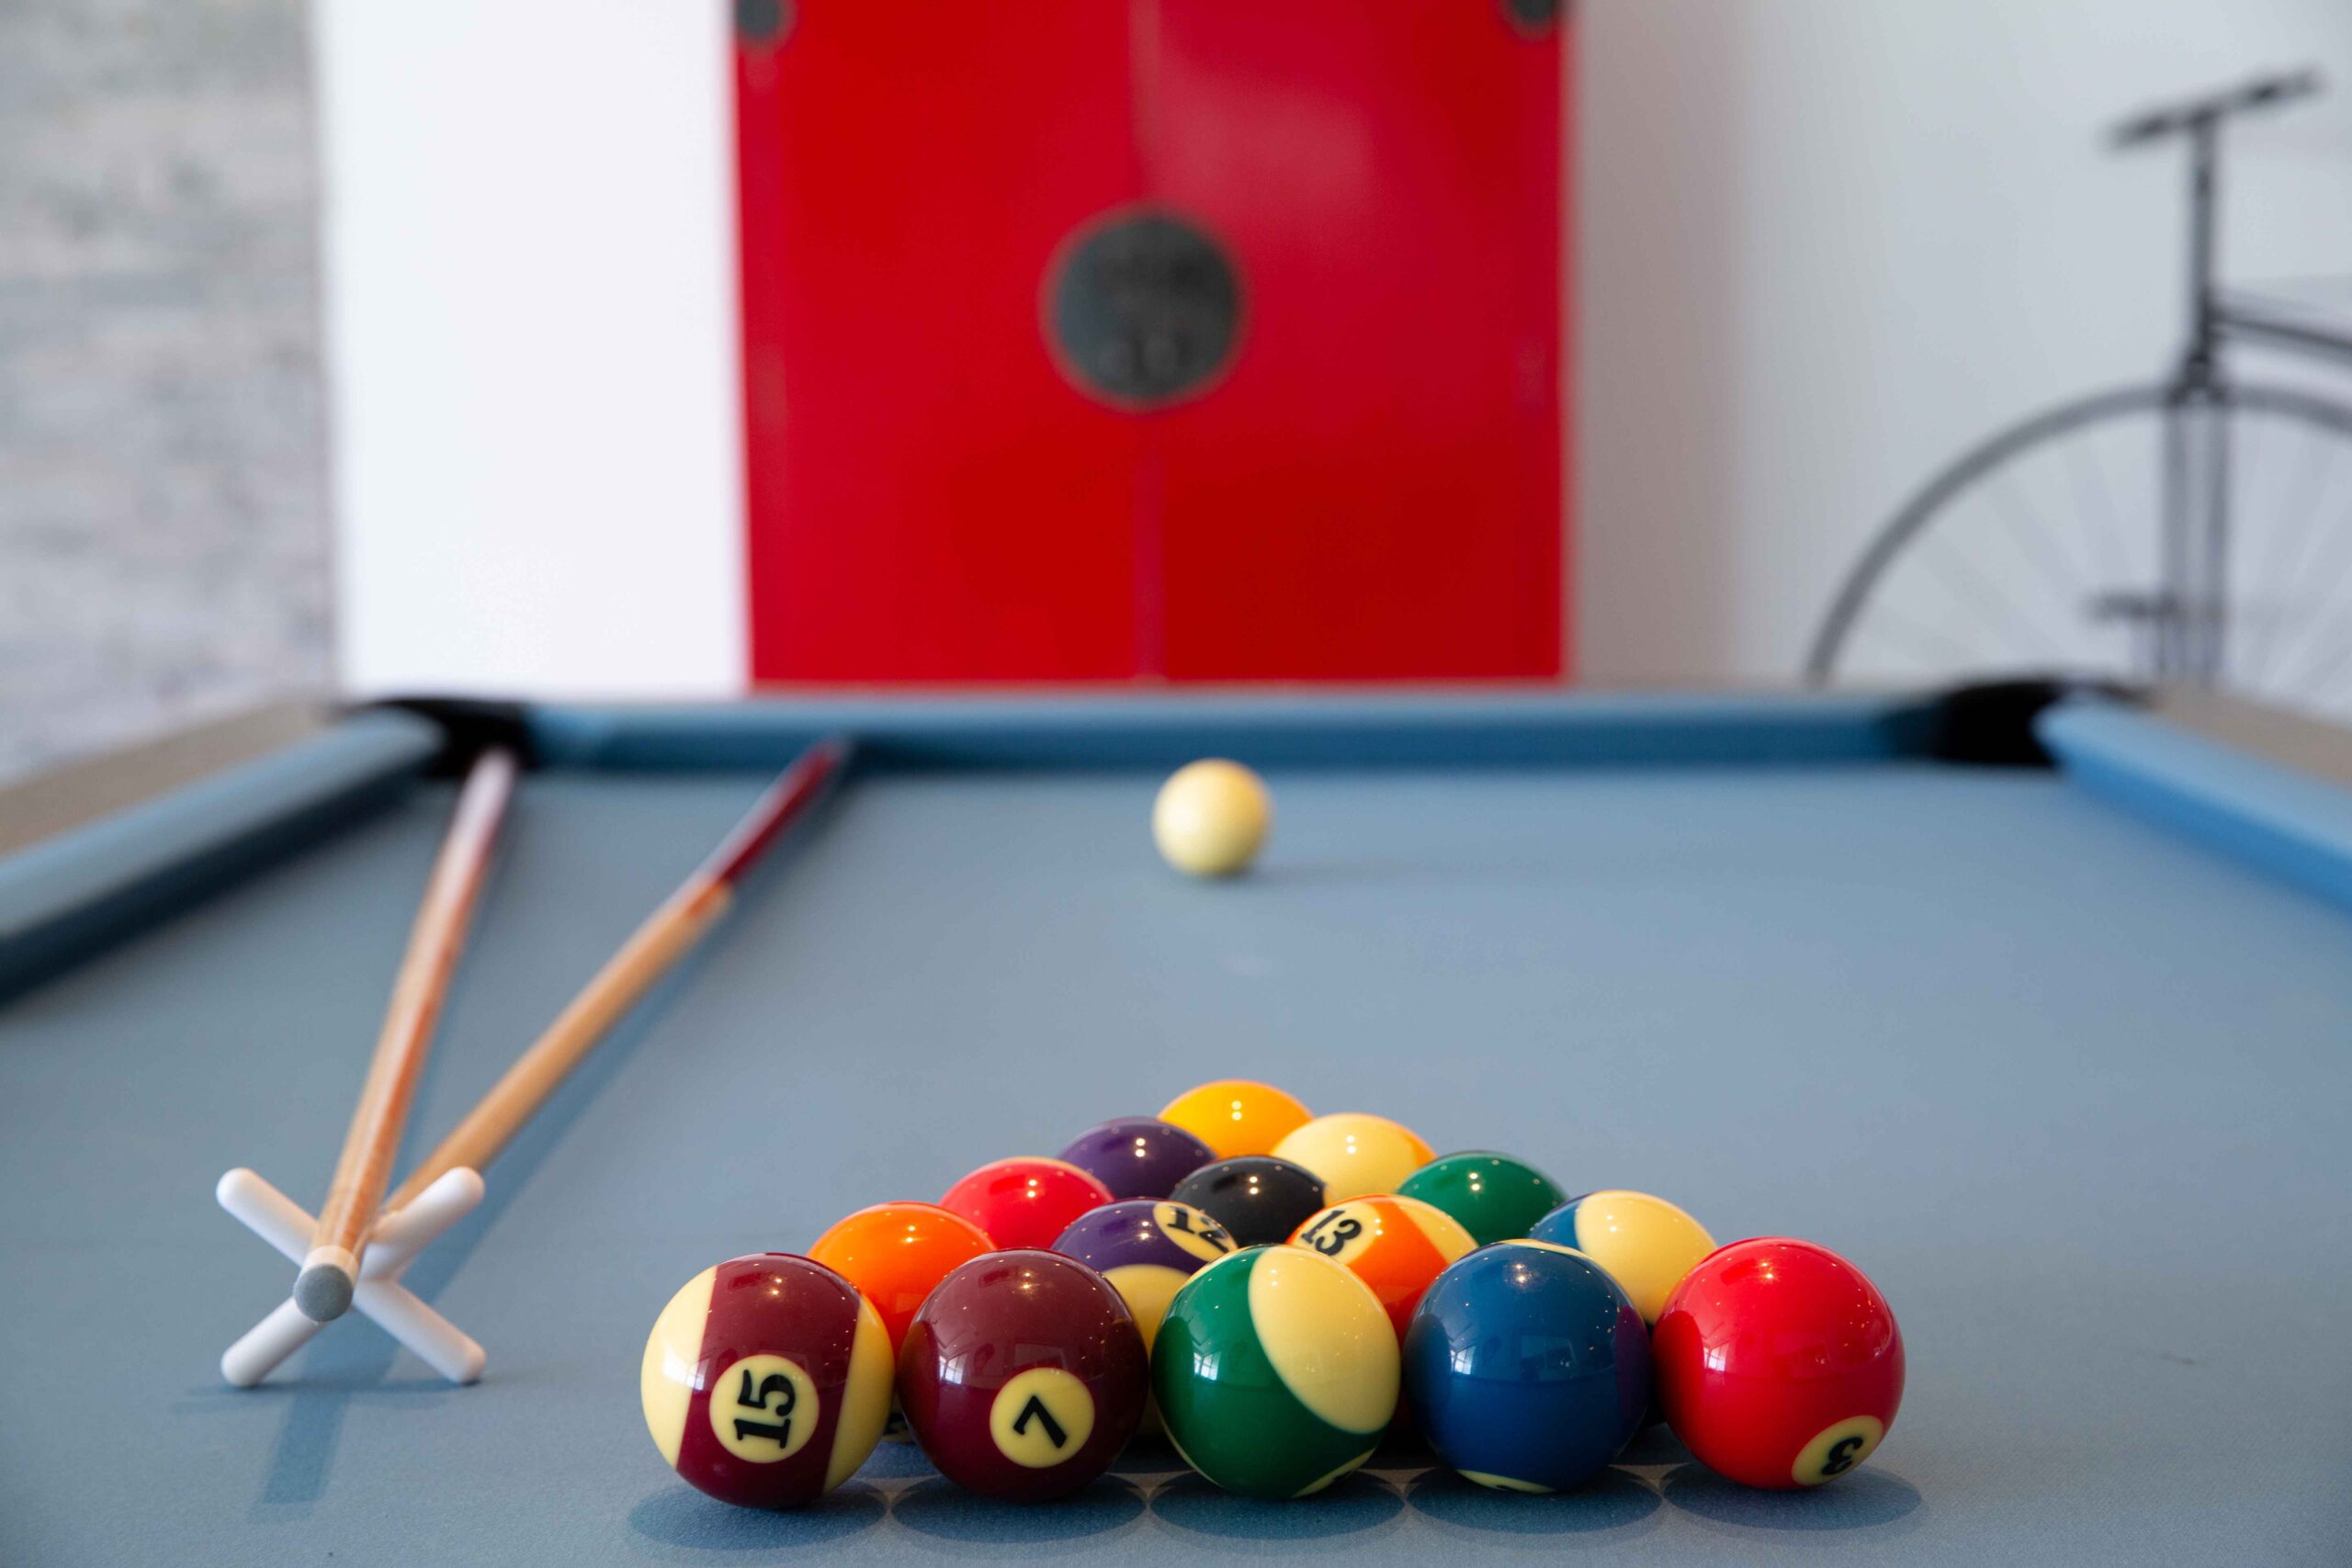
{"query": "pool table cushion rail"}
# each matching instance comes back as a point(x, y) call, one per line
point(70, 896)
point(2292, 824)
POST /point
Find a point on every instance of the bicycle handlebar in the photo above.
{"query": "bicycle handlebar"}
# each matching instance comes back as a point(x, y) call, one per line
point(2202, 112)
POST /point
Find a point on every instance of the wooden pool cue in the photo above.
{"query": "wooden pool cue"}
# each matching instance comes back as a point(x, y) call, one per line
point(329, 1271)
point(667, 935)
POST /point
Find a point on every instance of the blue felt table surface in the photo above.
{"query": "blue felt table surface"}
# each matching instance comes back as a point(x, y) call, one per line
point(2071, 1088)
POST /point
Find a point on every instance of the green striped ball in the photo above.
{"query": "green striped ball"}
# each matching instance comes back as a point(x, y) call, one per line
point(1276, 1371)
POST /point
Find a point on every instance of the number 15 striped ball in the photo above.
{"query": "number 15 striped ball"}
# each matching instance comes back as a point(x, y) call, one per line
point(766, 1381)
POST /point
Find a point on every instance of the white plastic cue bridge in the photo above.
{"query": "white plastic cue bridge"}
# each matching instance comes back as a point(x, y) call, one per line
point(398, 1238)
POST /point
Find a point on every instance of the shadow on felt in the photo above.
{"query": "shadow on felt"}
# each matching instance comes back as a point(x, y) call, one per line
point(1655, 1444)
point(1867, 1499)
point(1613, 1501)
point(943, 1511)
point(679, 1515)
point(1349, 1507)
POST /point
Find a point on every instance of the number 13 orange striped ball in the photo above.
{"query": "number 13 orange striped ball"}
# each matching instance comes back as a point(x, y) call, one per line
point(1396, 1246)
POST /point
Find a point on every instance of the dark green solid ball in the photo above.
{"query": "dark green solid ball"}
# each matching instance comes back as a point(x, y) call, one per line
point(1497, 1198)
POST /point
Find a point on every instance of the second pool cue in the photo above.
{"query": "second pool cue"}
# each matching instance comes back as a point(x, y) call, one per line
point(667, 935)
point(329, 1271)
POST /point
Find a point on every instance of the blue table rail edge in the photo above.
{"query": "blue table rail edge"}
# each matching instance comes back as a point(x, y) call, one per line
point(1165, 731)
point(2290, 824)
point(68, 897)
point(64, 897)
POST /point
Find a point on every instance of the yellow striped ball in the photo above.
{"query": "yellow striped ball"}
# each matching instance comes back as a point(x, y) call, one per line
point(1356, 1153)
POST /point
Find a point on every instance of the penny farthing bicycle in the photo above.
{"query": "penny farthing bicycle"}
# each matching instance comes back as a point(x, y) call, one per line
point(2197, 531)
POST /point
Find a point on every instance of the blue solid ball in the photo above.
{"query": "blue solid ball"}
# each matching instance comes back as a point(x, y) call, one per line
point(1526, 1367)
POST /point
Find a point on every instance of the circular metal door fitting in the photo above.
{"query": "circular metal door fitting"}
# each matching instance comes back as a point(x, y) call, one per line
point(1143, 309)
point(763, 21)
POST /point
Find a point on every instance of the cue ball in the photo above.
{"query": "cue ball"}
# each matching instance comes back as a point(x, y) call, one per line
point(766, 1381)
point(1211, 818)
point(1023, 1376)
point(1779, 1363)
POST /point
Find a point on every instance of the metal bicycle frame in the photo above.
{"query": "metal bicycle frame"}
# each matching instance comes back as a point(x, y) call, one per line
point(2187, 617)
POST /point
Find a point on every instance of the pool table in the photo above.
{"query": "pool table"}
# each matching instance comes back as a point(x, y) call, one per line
point(2042, 1014)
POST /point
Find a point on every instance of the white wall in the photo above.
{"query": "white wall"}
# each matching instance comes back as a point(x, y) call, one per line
point(1824, 244)
point(530, 288)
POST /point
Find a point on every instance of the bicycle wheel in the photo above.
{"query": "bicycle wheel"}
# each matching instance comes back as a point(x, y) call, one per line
point(2050, 549)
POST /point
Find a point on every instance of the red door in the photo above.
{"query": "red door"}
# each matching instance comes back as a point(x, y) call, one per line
point(927, 498)
point(1205, 339)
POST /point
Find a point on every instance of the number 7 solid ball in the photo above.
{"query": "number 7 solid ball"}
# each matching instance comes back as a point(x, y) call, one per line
point(1022, 1376)
point(1779, 1363)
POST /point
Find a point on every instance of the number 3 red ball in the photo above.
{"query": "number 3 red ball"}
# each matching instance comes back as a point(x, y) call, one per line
point(1779, 1363)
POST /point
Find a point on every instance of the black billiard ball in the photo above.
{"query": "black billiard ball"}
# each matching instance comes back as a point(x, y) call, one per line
point(1258, 1198)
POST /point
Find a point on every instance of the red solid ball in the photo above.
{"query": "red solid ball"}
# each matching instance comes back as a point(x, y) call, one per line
point(1025, 1200)
point(1778, 1364)
point(1024, 1375)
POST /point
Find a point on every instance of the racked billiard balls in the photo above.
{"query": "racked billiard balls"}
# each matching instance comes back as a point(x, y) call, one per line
point(1258, 1198)
point(1146, 1249)
point(1025, 1200)
point(1779, 1363)
point(1647, 1243)
point(1237, 1116)
point(896, 1253)
point(766, 1381)
point(1355, 1153)
point(1024, 1375)
point(1137, 1156)
point(1395, 1245)
point(1527, 1369)
point(1275, 1371)
point(1211, 818)
point(1497, 1198)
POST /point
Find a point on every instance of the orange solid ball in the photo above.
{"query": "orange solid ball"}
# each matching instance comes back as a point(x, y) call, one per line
point(896, 1253)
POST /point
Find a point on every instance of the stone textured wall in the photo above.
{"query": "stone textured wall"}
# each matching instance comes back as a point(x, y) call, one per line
point(163, 532)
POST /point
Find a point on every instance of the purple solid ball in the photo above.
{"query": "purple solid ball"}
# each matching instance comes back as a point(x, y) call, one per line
point(1138, 1157)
